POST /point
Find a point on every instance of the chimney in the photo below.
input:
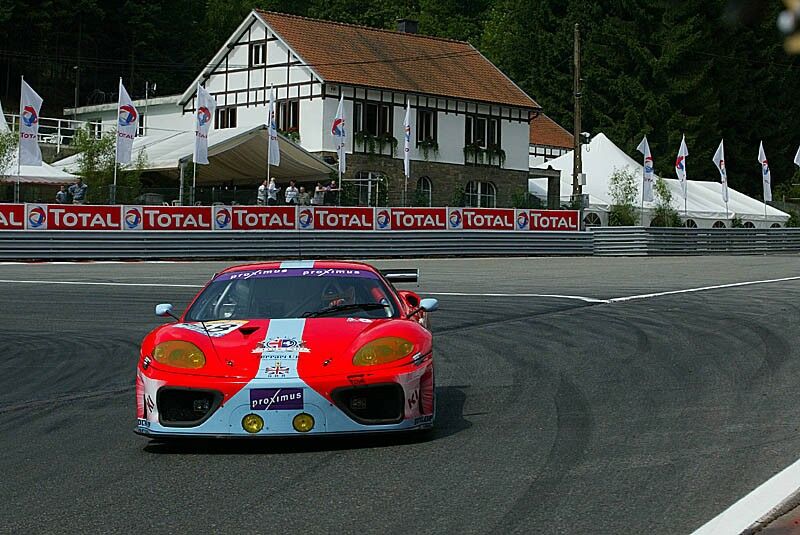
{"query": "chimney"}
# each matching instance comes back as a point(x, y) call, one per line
point(407, 26)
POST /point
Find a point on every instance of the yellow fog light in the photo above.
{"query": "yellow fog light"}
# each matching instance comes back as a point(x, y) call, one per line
point(252, 423)
point(383, 350)
point(179, 354)
point(303, 422)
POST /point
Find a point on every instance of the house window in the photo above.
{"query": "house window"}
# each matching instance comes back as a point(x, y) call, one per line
point(592, 220)
point(225, 118)
point(372, 118)
point(142, 129)
point(718, 224)
point(96, 127)
point(258, 54)
point(368, 187)
point(775, 225)
point(289, 115)
point(749, 224)
point(690, 223)
point(424, 190)
point(481, 194)
point(482, 131)
point(426, 125)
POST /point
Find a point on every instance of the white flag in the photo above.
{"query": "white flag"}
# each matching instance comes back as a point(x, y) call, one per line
point(680, 166)
point(3, 124)
point(719, 161)
point(274, 147)
point(206, 110)
point(797, 157)
point(30, 104)
point(127, 125)
point(407, 140)
point(339, 133)
point(648, 172)
point(766, 176)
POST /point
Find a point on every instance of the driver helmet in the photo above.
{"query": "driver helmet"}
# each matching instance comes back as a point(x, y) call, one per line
point(333, 296)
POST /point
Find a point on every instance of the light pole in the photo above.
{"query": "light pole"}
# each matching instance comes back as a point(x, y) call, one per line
point(148, 87)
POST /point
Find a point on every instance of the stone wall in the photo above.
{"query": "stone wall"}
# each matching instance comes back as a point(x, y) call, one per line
point(446, 179)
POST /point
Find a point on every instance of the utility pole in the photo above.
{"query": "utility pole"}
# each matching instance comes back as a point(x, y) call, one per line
point(577, 165)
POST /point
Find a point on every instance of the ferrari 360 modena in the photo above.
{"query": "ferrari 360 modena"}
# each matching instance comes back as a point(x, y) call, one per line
point(290, 349)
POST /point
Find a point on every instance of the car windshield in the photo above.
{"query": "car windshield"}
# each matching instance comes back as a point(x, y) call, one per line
point(294, 293)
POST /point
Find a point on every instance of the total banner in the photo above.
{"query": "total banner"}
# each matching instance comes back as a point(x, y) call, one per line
point(12, 217)
point(167, 217)
point(335, 218)
point(254, 218)
point(410, 218)
point(72, 217)
point(480, 219)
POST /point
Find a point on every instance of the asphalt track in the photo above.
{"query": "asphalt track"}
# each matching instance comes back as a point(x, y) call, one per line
point(556, 415)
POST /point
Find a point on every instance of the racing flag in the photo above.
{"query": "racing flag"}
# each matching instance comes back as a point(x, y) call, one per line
point(797, 157)
point(680, 166)
point(766, 176)
point(648, 173)
point(30, 104)
point(340, 134)
point(407, 140)
point(206, 109)
point(274, 148)
point(127, 125)
point(719, 161)
point(3, 123)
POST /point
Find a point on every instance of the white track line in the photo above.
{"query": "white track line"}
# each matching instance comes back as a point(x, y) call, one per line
point(554, 296)
point(701, 289)
point(755, 506)
point(89, 283)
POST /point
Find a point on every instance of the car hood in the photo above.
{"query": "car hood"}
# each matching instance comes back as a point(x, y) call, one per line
point(308, 346)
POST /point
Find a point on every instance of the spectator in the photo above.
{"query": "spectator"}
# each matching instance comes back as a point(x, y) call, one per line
point(78, 192)
point(303, 198)
point(272, 192)
point(291, 193)
point(61, 195)
point(331, 193)
point(261, 198)
point(319, 195)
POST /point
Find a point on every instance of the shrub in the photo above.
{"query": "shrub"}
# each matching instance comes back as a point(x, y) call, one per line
point(622, 188)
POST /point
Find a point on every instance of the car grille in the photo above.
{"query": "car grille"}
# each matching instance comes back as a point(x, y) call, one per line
point(186, 407)
point(371, 404)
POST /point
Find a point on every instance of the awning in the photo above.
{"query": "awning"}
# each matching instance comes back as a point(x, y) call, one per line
point(33, 174)
point(237, 155)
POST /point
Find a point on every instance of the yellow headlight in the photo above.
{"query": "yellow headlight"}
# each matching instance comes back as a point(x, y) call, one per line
point(252, 423)
point(303, 422)
point(383, 350)
point(179, 354)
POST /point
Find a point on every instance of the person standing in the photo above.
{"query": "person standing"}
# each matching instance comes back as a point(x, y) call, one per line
point(78, 192)
point(61, 195)
point(331, 193)
point(272, 193)
point(292, 193)
point(261, 198)
point(319, 195)
point(303, 198)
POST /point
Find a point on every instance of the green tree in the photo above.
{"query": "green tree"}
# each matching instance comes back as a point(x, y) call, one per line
point(622, 187)
point(96, 163)
point(664, 215)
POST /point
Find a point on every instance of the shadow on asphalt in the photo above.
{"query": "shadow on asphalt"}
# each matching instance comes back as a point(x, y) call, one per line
point(449, 421)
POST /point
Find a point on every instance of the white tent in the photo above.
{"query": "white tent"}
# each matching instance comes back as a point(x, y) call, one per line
point(33, 174)
point(704, 204)
point(236, 155)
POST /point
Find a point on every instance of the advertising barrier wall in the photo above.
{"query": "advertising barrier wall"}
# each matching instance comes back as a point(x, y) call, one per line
point(279, 218)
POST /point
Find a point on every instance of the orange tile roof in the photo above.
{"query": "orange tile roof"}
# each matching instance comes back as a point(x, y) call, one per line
point(547, 132)
point(358, 55)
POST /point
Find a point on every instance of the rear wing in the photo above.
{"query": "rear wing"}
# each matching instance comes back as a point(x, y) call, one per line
point(400, 276)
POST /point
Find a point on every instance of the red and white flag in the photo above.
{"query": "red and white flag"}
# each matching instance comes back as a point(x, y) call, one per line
point(30, 104)
point(719, 161)
point(766, 176)
point(3, 123)
point(206, 110)
point(680, 166)
point(339, 133)
point(648, 172)
point(274, 147)
point(127, 125)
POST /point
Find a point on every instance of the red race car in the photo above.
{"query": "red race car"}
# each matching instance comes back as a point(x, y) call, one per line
point(287, 349)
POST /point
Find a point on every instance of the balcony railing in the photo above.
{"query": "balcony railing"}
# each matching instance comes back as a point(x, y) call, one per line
point(55, 131)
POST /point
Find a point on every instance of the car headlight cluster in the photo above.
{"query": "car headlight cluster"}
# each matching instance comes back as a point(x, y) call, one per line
point(179, 354)
point(383, 350)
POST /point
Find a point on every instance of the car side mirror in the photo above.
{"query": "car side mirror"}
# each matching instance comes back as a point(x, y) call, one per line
point(428, 305)
point(164, 310)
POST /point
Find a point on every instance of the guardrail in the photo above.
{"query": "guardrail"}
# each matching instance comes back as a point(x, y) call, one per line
point(639, 241)
point(104, 245)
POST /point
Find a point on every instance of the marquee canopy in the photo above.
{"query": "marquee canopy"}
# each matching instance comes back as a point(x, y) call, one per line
point(236, 155)
point(33, 174)
point(601, 158)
